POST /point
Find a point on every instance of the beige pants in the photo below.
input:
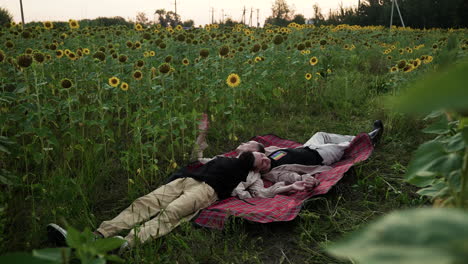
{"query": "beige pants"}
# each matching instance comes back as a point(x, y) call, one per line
point(168, 205)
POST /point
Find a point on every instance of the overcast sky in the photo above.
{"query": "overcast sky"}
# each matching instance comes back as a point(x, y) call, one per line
point(197, 10)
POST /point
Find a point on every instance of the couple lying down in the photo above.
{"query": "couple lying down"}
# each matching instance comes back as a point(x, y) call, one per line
point(189, 191)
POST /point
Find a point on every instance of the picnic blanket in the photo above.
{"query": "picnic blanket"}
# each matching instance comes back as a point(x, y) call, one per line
point(283, 207)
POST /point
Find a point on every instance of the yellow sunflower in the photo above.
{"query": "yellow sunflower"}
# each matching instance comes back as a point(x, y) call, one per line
point(73, 24)
point(185, 62)
point(124, 86)
point(86, 51)
point(313, 61)
point(138, 27)
point(308, 76)
point(114, 81)
point(48, 25)
point(137, 75)
point(233, 80)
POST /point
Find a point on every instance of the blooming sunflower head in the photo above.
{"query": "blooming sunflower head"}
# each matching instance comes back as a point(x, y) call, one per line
point(139, 63)
point(137, 75)
point(114, 81)
point(122, 58)
point(308, 76)
point(233, 80)
point(393, 69)
point(24, 60)
point(313, 61)
point(48, 25)
point(185, 62)
point(138, 27)
point(39, 57)
point(73, 24)
point(164, 68)
point(66, 83)
point(124, 86)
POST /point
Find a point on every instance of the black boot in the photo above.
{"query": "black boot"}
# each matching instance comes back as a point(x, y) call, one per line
point(57, 235)
point(377, 132)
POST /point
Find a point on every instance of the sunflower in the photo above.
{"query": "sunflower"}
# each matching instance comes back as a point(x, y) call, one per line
point(308, 76)
point(48, 25)
point(73, 24)
point(72, 56)
point(66, 83)
point(100, 56)
point(139, 63)
point(114, 81)
point(2, 56)
point(39, 57)
point(86, 51)
point(59, 53)
point(137, 75)
point(313, 61)
point(408, 68)
point(185, 62)
point(164, 68)
point(124, 86)
point(233, 80)
point(393, 69)
point(224, 50)
point(179, 28)
point(138, 27)
point(122, 58)
point(24, 60)
point(401, 64)
point(152, 53)
point(258, 59)
point(428, 59)
point(204, 53)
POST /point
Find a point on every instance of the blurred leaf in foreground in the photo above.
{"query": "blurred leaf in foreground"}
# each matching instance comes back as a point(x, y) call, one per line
point(446, 89)
point(424, 235)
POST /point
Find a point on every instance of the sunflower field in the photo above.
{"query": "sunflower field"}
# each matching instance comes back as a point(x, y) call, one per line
point(94, 117)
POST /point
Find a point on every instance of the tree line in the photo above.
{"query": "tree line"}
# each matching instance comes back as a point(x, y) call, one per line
point(415, 13)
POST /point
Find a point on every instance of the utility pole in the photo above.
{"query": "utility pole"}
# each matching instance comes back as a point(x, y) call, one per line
point(243, 16)
point(258, 19)
point(175, 9)
point(22, 14)
point(250, 19)
point(222, 16)
point(394, 2)
point(212, 15)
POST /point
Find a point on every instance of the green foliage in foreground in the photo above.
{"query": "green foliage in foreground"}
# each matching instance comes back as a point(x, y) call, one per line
point(431, 236)
point(440, 235)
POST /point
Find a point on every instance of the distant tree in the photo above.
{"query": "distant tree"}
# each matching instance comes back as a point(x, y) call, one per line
point(318, 16)
point(168, 18)
point(299, 19)
point(5, 16)
point(188, 23)
point(281, 13)
point(230, 23)
point(142, 19)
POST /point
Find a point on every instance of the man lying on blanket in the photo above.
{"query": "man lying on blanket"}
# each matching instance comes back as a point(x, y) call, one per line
point(290, 169)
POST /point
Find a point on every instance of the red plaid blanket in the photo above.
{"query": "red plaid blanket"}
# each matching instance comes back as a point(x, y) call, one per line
point(283, 207)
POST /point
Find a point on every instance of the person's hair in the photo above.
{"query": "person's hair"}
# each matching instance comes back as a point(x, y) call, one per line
point(261, 147)
point(247, 160)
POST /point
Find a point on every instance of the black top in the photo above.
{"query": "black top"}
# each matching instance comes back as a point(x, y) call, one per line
point(303, 156)
point(222, 174)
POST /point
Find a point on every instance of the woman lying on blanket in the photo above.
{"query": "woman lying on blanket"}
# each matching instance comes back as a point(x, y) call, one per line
point(290, 169)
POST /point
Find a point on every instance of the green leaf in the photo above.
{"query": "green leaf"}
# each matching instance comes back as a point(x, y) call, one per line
point(440, 127)
point(465, 134)
point(104, 245)
point(73, 238)
point(425, 235)
point(445, 89)
point(456, 143)
point(98, 261)
point(114, 258)
point(23, 258)
point(438, 189)
point(52, 254)
point(432, 157)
